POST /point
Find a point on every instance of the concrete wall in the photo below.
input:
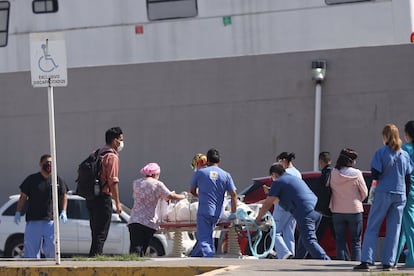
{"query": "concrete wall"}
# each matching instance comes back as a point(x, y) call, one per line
point(250, 108)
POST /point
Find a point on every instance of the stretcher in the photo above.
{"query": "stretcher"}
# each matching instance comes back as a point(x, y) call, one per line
point(179, 227)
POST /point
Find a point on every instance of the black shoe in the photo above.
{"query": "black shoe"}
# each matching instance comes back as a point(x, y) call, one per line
point(364, 266)
point(388, 267)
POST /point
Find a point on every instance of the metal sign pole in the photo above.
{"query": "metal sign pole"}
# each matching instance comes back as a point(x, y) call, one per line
point(54, 172)
point(48, 69)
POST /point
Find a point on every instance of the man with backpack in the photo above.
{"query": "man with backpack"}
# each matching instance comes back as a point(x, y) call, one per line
point(100, 206)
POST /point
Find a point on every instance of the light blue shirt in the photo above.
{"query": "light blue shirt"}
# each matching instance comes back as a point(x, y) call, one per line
point(393, 167)
point(294, 171)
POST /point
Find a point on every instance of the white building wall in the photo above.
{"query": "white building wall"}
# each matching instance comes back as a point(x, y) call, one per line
point(102, 32)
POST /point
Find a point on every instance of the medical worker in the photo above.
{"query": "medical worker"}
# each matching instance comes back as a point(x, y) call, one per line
point(407, 230)
point(285, 222)
point(389, 167)
point(210, 185)
point(294, 196)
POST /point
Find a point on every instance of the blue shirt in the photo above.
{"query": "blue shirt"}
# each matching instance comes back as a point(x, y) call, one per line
point(212, 183)
point(393, 166)
point(294, 195)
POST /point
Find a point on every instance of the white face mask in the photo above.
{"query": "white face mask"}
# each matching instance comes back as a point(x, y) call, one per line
point(121, 146)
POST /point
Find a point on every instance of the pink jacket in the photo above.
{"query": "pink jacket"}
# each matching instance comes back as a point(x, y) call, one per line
point(348, 192)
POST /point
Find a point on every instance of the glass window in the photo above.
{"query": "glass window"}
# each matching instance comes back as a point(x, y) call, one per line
point(45, 6)
point(4, 22)
point(77, 209)
point(334, 2)
point(169, 9)
point(11, 211)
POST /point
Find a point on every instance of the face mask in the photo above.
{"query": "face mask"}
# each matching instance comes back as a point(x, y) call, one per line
point(121, 146)
point(47, 167)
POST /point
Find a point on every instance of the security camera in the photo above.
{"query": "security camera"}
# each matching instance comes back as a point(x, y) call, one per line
point(318, 70)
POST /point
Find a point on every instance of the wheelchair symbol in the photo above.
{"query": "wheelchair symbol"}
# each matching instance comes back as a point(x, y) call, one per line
point(46, 62)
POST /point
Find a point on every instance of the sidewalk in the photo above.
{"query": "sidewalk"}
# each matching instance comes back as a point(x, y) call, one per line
point(188, 266)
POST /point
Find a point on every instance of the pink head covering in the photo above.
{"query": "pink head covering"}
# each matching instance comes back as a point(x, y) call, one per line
point(151, 169)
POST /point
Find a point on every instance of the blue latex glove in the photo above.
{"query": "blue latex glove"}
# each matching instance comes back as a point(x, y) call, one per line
point(232, 217)
point(17, 217)
point(63, 216)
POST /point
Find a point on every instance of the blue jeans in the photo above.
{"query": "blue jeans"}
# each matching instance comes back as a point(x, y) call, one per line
point(285, 232)
point(391, 207)
point(307, 235)
point(341, 223)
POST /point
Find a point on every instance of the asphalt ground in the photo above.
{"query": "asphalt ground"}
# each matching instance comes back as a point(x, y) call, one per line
point(188, 266)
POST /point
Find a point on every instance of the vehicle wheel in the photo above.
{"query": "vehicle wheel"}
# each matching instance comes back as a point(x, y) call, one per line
point(155, 248)
point(14, 247)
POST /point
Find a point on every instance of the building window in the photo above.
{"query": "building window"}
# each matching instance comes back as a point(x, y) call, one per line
point(44, 6)
point(4, 22)
point(169, 9)
point(334, 2)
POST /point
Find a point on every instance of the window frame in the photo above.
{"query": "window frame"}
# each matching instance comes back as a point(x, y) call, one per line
point(6, 30)
point(339, 2)
point(55, 6)
point(154, 3)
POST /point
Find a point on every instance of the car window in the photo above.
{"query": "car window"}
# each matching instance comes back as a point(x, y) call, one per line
point(77, 209)
point(11, 211)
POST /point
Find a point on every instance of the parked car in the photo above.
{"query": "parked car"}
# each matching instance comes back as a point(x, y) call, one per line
point(255, 192)
point(75, 234)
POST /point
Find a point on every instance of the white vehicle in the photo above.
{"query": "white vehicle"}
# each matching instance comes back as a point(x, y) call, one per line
point(75, 234)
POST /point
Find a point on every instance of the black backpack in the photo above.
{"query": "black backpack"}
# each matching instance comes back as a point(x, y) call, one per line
point(89, 174)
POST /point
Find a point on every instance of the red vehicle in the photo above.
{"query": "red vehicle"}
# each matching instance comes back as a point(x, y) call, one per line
point(255, 192)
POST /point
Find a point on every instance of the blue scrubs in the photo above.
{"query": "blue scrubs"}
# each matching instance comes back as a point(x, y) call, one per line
point(285, 226)
point(40, 235)
point(389, 202)
point(296, 198)
point(212, 183)
point(407, 229)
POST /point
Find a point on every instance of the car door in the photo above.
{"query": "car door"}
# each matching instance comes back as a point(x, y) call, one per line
point(69, 231)
point(117, 236)
point(84, 229)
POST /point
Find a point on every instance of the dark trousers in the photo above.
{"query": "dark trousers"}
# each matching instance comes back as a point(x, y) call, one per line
point(326, 223)
point(139, 236)
point(100, 213)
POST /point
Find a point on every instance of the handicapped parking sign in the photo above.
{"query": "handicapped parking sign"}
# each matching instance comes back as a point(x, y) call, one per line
point(48, 59)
